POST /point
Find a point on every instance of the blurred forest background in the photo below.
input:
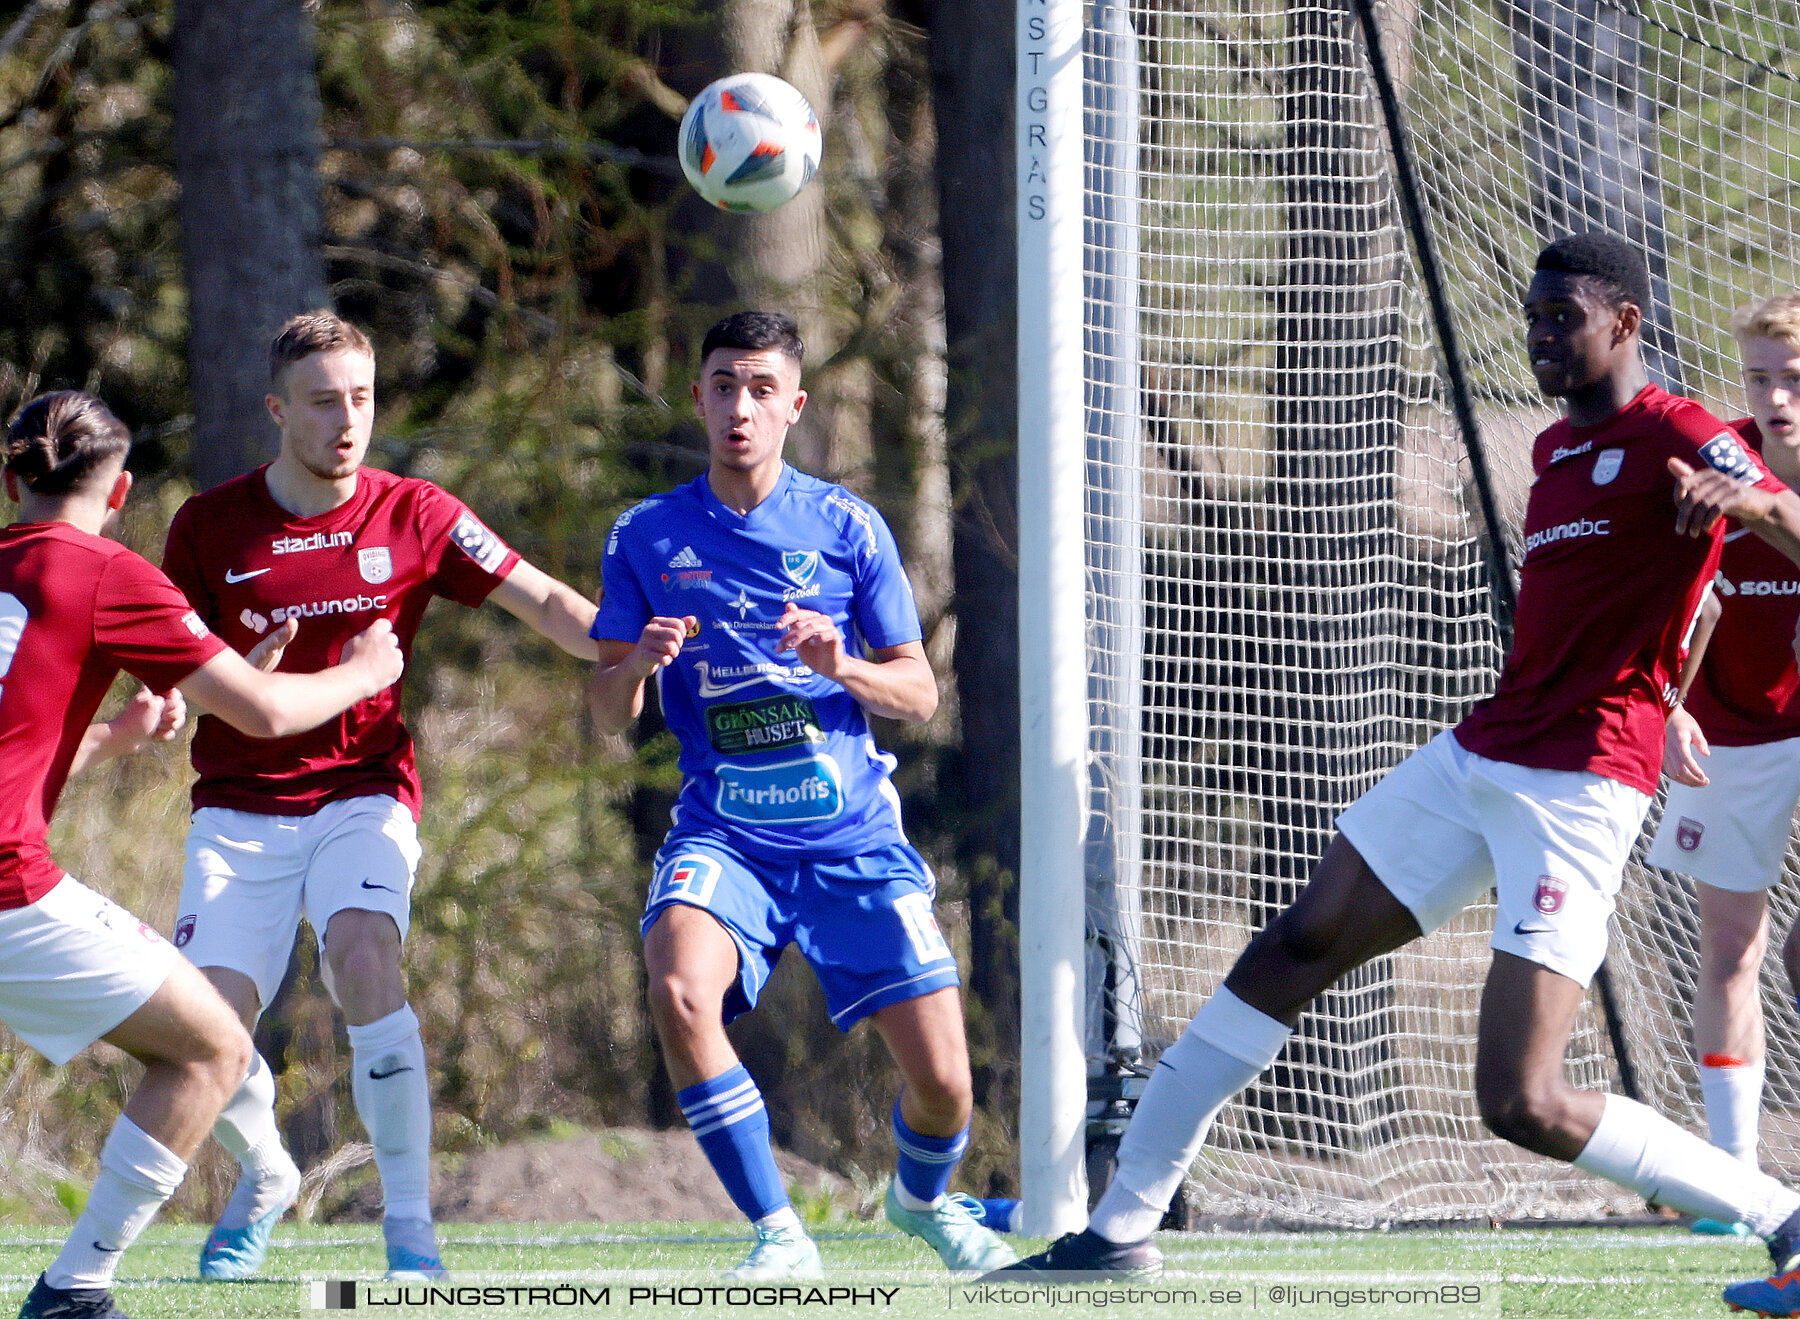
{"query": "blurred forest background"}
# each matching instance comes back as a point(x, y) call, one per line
point(491, 190)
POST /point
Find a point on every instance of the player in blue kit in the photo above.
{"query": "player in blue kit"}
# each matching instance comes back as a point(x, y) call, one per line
point(772, 610)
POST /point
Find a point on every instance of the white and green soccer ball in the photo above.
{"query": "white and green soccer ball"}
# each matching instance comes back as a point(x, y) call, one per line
point(749, 142)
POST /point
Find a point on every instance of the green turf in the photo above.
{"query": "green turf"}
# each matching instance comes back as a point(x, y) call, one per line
point(1577, 1273)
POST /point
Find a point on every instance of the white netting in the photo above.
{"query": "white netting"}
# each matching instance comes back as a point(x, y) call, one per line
point(1313, 600)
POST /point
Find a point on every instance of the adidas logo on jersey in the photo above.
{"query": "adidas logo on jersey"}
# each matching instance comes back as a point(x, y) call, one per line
point(686, 559)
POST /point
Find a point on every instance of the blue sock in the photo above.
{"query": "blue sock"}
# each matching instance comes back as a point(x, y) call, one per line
point(732, 1126)
point(926, 1162)
point(999, 1215)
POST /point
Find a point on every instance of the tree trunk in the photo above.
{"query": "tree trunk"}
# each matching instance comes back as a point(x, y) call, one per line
point(1335, 412)
point(247, 158)
point(777, 259)
point(972, 62)
point(1591, 136)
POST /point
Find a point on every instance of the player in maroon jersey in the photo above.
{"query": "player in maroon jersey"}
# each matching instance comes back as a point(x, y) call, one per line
point(1728, 824)
point(75, 608)
point(294, 557)
point(1539, 793)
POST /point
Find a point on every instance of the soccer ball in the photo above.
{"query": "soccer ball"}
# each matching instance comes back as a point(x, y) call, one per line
point(749, 142)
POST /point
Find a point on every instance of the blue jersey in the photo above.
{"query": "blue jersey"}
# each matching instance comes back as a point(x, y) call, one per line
point(777, 760)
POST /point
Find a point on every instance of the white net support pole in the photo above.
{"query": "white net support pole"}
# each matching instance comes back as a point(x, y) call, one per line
point(1115, 538)
point(1053, 733)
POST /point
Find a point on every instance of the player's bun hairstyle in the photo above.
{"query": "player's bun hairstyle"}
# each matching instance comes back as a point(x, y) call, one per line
point(1776, 318)
point(754, 331)
point(1618, 266)
point(58, 440)
point(310, 332)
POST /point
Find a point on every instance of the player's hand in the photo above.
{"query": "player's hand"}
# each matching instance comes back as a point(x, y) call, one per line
point(149, 717)
point(813, 637)
point(661, 642)
point(1683, 743)
point(377, 651)
point(266, 654)
point(1703, 495)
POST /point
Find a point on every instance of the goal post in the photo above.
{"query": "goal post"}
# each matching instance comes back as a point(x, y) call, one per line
point(1053, 726)
point(1293, 406)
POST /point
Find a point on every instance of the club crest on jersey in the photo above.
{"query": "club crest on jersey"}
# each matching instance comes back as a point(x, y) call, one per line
point(1688, 833)
point(376, 565)
point(1724, 454)
point(1550, 894)
point(1607, 465)
point(184, 931)
point(800, 565)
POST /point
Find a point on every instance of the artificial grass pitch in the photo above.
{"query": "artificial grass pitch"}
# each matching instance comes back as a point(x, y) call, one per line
point(673, 1269)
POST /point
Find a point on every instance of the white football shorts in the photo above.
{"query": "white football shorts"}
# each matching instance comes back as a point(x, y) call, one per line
point(1733, 833)
point(73, 965)
point(249, 878)
point(1447, 823)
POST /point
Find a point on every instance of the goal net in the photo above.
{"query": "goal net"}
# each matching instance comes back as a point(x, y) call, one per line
point(1289, 582)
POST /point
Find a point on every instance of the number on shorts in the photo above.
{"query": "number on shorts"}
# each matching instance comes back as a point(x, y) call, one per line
point(691, 878)
point(921, 925)
point(13, 619)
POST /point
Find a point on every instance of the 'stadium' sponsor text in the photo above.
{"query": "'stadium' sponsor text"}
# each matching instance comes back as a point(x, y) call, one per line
point(319, 540)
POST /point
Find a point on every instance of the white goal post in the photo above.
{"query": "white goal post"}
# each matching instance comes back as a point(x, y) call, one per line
point(1256, 566)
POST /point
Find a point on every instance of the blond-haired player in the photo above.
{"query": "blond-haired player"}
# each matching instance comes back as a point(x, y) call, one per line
point(1727, 825)
point(295, 557)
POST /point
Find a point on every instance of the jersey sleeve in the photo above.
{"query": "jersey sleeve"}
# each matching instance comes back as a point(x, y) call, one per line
point(466, 560)
point(624, 608)
point(1701, 437)
point(147, 627)
point(886, 613)
point(181, 563)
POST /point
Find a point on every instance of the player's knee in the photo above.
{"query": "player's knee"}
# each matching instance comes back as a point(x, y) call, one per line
point(944, 1094)
point(1731, 950)
point(681, 1004)
point(362, 958)
point(217, 1057)
point(1532, 1115)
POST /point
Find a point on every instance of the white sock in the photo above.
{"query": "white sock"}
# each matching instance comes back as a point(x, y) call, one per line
point(1642, 1150)
point(393, 1097)
point(1733, 1098)
point(137, 1173)
point(910, 1201)
point(1225, 1047)
point(269, 1180)
point(784, 1217)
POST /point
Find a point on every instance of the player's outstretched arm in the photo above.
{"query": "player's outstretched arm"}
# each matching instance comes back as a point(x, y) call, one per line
point(1703, 495)
point(616, 691)
point(895, 682)
point(147, 717)
point(281, 704)
point(549, 608)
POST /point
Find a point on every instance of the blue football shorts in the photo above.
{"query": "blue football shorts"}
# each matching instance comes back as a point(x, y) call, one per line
point(864, 922)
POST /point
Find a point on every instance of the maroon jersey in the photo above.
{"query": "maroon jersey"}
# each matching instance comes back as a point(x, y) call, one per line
point(74, 610)
point(1748, 691)
point(1608, 592)
point(248, 565)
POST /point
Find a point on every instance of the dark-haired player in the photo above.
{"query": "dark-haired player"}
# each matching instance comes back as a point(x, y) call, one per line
point(75, 608)
point(1539, 793)
point(773, 612)
point(295, 557)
